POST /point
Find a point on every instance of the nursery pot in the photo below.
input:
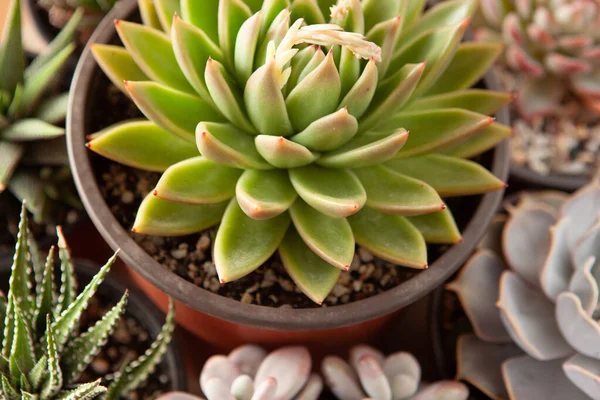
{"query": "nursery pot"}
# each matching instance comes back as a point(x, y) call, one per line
point(226, 322)
point(138, 306)
point(528, 179)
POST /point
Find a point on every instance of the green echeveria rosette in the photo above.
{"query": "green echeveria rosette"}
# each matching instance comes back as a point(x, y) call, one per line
point(42, 351)
point(33, 157)
point(288, 124)
point(532, 295)
point(553, 45)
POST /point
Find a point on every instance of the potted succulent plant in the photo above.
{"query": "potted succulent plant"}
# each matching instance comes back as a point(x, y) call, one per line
point(305, 154)
point(551, 61)
point(33, 159)
point(51, 16)
point(57, 343)
point(249, 373)
point(531, 295)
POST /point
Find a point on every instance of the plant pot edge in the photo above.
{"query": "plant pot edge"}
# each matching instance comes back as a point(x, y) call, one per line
point(140, 307)
point(228, 309)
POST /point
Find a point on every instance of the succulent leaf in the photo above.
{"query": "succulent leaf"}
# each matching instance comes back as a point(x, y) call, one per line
point(142, 144)
point(31, 129)
point(10, 155)
point(390, 237)
point(117, 64)
point(243, 244)
point(475, 100)
point(264, 194)
point(163, 218)
point(438, 227)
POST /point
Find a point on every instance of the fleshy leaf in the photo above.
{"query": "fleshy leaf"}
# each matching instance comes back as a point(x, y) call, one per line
point(54, 109)
point(204, 15)
point(86, 346)
point(435, 129)
point(193, 48)
point(283, 153)
point(394, 193)
point(365, 150)
point(172, 110)
point(165, 9)
point(316, 96)
point(537, 333)
point(63, 326)
point(390, 237)
point(226, 145)
point(391, 95)
point(479, 143)
point(55, 379)
point(438, 227)
point(197, 181)
point(334, 192)
point(519, 372)
point(476, 100)
point(117, 64)
point(477, 287)
point(22, 354)
point(577, 326)
point(265, 194)
point(245, 48)
point(359, 98)
point(30, 129)
point(232, 14)
point(148, 14)
point(450, 176)
point(376, 11)
point(10, 155)
point(557, 271)
point(162, 218)
point(12, 58)
point(480, 363)
point(330, 132)
point(314, 276)
point(19, 282)
point(471, 62)
point(45, 294)
point(583, 372)
point(153, 53)
point(85, 391)
point(244, 244)
point(329, 238)
point(143, 145)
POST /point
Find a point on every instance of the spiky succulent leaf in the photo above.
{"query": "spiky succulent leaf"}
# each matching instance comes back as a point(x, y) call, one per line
point(55, 377)
point(138, 371)
point(86, 391)
point(277, 119)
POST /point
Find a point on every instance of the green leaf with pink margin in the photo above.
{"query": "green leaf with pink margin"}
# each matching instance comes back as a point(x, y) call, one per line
point(477, 100)
point(438, 227)
point(153, 53)
point(334, 192)
point(165, 10)
point(329, 238)
point(163, 218)
point(243, 244)
point(390, 237)
point(314, 276)
point(197, 181)
point(142, 144)
point(265, 194)
point(482, 141)
point(449, 176)
point(394, 193)
point(329, 132)
point(283, 153)
point(117, 64)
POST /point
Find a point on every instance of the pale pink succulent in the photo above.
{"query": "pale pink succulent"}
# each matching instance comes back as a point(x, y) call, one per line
point(554, 44)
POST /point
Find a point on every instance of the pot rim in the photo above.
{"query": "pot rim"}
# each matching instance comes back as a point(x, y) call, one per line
point(225, 308)
point(562, 182)
point(138, 305)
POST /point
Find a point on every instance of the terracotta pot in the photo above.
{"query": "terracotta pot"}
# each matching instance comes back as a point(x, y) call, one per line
point(227, 322)
point(138, 306)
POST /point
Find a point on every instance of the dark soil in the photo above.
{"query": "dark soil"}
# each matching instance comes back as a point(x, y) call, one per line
point(190, 257)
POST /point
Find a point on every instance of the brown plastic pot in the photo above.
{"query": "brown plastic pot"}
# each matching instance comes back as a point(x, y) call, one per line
point(138, 306)
point(528, 179)
point(226, 322)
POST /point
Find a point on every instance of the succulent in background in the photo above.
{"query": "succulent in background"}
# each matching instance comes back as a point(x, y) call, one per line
point(43, 353)
point(531, 293)
point(33, 157)
point(293, 133)
point(61, 11)
point(368, 374)
point(250, 373)
point(554, 45)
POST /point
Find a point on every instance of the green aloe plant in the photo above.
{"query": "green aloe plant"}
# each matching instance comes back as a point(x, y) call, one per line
point(293, 133)
point(33, 157)
point(553, 45)
point(42, 353)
